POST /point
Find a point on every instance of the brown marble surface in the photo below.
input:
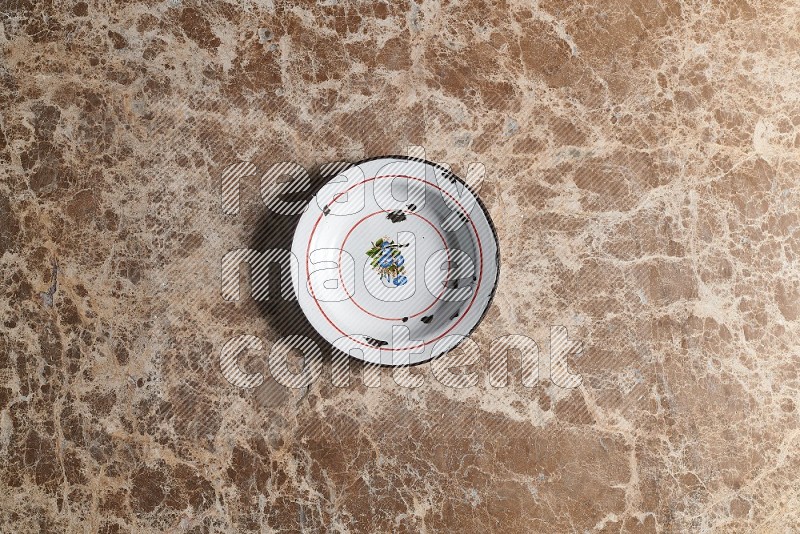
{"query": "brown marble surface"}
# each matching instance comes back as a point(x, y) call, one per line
point(642, 166)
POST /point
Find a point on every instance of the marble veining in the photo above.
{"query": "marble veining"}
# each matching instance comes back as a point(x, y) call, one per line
point(642, 162)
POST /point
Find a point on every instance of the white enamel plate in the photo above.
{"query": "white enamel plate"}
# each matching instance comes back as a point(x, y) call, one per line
point(398, 261)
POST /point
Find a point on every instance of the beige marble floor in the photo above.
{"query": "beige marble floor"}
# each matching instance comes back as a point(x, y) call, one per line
point(642, 168)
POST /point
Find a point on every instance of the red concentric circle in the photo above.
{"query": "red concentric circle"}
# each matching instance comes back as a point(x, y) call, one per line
point(474, 230)
point(352, 297)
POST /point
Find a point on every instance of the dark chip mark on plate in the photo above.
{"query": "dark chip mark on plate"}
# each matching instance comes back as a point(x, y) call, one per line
point(376, 342)
point(427, 319)
point(454, 284)
point(396, 216)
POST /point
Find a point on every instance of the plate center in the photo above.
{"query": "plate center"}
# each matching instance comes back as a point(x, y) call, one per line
point(384, 257)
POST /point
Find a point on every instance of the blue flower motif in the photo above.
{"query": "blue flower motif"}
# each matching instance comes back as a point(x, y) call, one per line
point(386, 261)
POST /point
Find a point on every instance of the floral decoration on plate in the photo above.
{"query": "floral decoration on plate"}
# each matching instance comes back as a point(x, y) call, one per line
point(388, 261)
